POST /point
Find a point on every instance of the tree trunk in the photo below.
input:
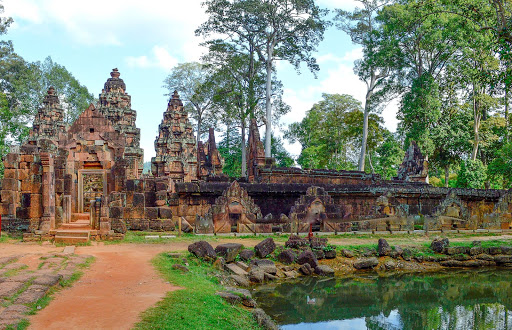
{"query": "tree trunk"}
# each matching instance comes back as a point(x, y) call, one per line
point(244, 153)
point(198, 139)
point(506, 116)
point(476, 124)
point(365, 136)
point(446, 175)
point(268, 105)
point(199, 122)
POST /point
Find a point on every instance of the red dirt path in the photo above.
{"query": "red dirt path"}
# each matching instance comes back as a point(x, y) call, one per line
point(119, 285)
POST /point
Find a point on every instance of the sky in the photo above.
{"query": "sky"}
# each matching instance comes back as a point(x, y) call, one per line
point(146, 39)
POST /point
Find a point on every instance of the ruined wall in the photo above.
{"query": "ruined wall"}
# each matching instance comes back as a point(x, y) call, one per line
point(149, 204)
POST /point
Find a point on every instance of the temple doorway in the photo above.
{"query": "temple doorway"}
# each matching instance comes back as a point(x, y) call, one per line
point(91, 185)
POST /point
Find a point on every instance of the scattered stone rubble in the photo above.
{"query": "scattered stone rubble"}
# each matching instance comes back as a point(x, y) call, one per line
point(300, 257)
point(21, 287)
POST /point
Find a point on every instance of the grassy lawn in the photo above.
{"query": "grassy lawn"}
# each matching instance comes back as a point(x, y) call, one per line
point(195, 306)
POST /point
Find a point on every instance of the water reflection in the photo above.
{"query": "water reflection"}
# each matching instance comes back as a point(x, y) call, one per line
point(447, 300)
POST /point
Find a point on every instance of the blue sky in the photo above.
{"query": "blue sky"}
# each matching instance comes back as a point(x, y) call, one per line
point(145, 39)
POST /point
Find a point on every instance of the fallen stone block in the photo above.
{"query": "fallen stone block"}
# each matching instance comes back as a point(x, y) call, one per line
point(231, 298)
point(366, 263)
point(202, 250)
point(307, 257)
point(324, 270)
point(8, 289)
point(234, 269)
point(268, 266)
point(228, 250)
point(265, 247)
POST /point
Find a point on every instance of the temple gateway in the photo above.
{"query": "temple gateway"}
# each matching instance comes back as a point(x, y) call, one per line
point(85, 181)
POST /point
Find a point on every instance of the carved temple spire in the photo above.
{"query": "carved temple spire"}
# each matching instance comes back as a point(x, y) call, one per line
point(175, 145)
point(49, 120)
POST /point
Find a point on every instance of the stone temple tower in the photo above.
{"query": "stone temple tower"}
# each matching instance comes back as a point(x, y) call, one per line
point(116, 105)
point(49, 120)
point(175, 145)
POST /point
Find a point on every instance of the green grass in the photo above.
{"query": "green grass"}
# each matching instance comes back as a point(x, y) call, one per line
point(61, 244)
point(6, 238)
point(195, 306)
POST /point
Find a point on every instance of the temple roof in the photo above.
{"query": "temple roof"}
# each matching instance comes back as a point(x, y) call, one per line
point(115, 83)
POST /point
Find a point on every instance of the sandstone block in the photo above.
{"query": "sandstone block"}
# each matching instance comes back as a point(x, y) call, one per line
point(228, 250)
point(307, 257)
point(265, 247)
point(366, 263)
point(202, 250)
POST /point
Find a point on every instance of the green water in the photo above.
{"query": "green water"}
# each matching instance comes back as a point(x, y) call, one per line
point(446, 300)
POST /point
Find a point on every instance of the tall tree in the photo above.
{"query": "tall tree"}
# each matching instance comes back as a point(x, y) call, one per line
point(191, 80)
point(239, 84)
point(363, 28)
point(276, 29)
point(330, 133)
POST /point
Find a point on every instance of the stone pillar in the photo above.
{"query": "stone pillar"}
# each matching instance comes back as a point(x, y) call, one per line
point(66, 206)
point(48, 218)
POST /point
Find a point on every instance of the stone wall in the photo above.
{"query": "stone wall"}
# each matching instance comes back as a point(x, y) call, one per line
point(150, 204)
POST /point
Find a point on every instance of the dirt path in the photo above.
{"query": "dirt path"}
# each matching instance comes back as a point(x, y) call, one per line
point(120, 284)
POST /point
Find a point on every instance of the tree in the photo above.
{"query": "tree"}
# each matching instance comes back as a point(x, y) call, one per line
point(239, 82)
point(501, 165)
point(472, 174)
point(330, 133)
point(191, 80)
point(74, 97)
point(229, 148)
point(280, 154)
point(388, 155)
point(422, 45)
point(362, 27)
point(276, 29)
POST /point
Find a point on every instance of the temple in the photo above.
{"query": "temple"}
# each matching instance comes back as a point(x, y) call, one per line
point(85, 181)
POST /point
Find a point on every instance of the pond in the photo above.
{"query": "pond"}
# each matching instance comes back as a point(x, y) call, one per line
point(443, 300)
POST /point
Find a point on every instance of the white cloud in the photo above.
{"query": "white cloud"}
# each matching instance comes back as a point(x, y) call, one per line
point(342, 4)
point(114, 22)
point(138, 61)
point(160, 57)
point(353, 55)
point(23, 9)
point(164, 59)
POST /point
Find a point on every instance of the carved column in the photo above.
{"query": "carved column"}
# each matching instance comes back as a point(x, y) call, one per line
point(48, 218)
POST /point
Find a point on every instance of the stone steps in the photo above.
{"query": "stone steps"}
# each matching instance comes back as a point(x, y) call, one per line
point(80, 216)
point(72, 235)
point(79, 224)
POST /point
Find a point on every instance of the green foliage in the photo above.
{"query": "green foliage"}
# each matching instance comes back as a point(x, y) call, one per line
point(389, 156)
point(330, 133)
point(472, 174)
point(229, 149)
point(501, 165)
point(281, 155)
point(74, 97)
